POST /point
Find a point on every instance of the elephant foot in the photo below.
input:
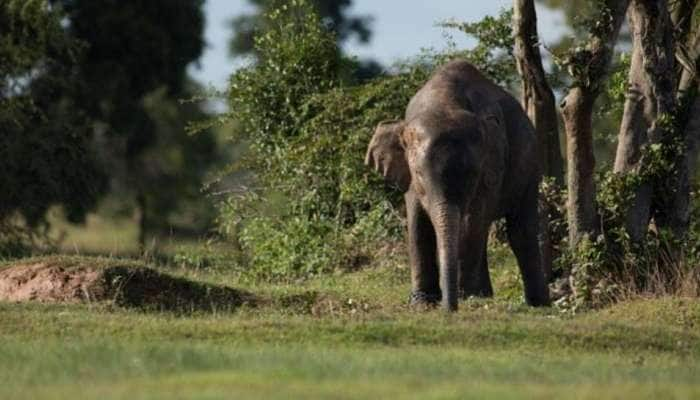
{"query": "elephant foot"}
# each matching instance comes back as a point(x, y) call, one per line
point(538, 301)
point(476, 292)
point(424, 299)
point(537, 294)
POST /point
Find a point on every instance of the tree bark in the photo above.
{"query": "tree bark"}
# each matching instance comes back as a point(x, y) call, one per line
point(681, 12)
point(581, 164)
point(589, 67)
point(538, 102)
point(689, 81)
point(651, 97)
point(676, 213)
point(689, 74)
point(537, 95)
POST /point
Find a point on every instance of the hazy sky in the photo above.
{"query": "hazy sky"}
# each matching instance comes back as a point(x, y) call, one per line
point(401, 28)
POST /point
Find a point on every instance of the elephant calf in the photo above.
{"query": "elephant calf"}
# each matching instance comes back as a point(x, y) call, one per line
point(464, 155)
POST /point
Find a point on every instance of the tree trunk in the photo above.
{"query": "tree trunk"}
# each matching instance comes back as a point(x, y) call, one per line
point(589, 67)
point(688, 54)
point(577, 115)
point(689, 73)
point(682, 16)
point(690, 86)
point(538, 102)
point(651, 98)
point(692, 144)
point(537, 95)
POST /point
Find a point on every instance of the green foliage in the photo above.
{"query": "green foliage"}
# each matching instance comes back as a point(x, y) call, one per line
point(552, 204)
point(298, 58)
point(133, 48)
point(307, 133)
point(132, 77)
point(45, 152)
point(493, 53)
point(612, 101)
point(333, 14)
point(174, 170)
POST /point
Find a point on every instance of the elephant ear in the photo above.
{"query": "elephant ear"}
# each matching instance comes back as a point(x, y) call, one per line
point(386, 154)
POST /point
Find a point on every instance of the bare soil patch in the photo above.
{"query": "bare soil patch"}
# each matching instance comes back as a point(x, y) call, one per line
point(58, 281)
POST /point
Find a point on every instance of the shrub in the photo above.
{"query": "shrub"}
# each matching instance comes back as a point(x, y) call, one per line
point(318, 206)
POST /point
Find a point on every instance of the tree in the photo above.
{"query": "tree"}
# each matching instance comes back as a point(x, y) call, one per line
point(134, 51)
point(537, 95)
point(46, 156)
point(588, 66)
point(659, 34)
point(684, 17)
point(538, 102)
point(657, 144)
point(179, 163)
point(334, 16)
point(651, 99)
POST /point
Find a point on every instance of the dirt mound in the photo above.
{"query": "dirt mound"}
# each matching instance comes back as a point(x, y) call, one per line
point(124, 285)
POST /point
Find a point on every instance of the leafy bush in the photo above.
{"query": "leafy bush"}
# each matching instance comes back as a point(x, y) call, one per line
point(316, 203)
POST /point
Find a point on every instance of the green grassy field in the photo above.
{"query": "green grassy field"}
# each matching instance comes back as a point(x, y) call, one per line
point(350, 336)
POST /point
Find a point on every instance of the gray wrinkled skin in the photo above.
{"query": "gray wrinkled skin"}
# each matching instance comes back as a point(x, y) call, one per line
point(465, 154)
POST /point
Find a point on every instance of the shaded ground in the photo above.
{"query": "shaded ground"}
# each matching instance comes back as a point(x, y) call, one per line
point(75, 280)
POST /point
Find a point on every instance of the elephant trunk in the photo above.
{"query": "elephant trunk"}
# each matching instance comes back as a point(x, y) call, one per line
point(446, 220)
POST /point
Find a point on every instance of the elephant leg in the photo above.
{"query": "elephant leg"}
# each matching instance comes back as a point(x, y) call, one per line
point(522, 226)
point(484, 276)
point(425, 286)
point(475, 279)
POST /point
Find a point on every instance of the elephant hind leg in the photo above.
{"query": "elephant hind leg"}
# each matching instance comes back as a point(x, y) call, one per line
point(484, 275)
point(522, 226)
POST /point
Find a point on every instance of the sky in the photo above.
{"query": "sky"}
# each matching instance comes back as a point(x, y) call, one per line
point(400, 29)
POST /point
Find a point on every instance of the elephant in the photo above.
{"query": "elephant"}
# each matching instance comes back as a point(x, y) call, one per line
point(464, 155)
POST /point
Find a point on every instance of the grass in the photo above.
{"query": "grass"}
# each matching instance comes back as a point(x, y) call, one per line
point(112, 236)
point(349, 336)
point(98, 235)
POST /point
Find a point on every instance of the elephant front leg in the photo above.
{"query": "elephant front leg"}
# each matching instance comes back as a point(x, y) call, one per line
point(425, 286)
point(475, 279)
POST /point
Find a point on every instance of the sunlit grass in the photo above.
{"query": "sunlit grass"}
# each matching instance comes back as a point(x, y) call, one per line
point(342, 335)
point(350, 335)
point(111, 236)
